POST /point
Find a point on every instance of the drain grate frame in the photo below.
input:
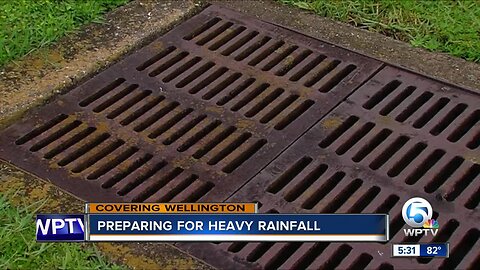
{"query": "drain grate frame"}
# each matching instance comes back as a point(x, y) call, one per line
point(400, 135)
point(180, 119)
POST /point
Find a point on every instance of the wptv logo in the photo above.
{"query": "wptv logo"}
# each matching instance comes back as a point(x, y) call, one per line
point(417, 213)
point(59, 227)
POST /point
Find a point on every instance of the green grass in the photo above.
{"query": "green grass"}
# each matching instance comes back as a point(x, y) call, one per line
point(19, 249)
point(443, 26)
point(26, 25)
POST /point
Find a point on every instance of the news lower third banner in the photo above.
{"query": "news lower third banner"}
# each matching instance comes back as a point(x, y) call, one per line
point(206, 222)
point(234, 227)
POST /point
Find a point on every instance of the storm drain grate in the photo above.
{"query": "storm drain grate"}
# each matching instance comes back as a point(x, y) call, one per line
point(398, 136)
point(191, 117)
point(198, 113)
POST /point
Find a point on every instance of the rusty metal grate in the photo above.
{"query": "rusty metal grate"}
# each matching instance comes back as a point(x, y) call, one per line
point(179, 120)
point(198, 113)
point(398, 136)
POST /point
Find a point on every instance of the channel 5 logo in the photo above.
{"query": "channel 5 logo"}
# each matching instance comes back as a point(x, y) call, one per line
point(417, 213)
point(60, 227)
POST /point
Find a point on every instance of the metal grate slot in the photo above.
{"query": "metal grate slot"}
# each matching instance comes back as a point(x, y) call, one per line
point(460, 250)
point(156, 58)
point(474, 200)
point(68, 142)
point(414, 106)
point(342, 197)
point(475, 142)
point(250, 96)
point(361, 262)
point(184, 129)
point(394, 103)
point(448, 119)
point(325, 68)
point(130, 168)
point(112, 100)
point(259, 57)
point(154, 101)
point(381, 95)
point(293, 171)
point(305, 256)
point(85, 148)
point(280, 56)
point(254, 46)
point(228, 35)
point(221, 86)
point(334, 78)
point(354, 138)
point(305, 183)
point(294, 114)
point(41, 129)
point(444, 174)
point(195, 74)
point(157, 185)
point(369, 147)
point(128, 104)
point(175, 119)
point(112, 163)
point(278, 109)
point(235, 92)
point(463, 183)
point(408, 158)
point(196, 193)
point(347, 124)
point(168, 64)
point(289, 63)
point(337, 257)
point(231, 144)
point(177, 189)
point(264, 102)
point(206, 130)
point(238, 42)
point(203, 28)
point(55, 135)
point(431, 112)
point(365, 200)
point(175, 73)
point(425, 166)
point(208, 80)
point(95, 155)
point(128, 186)
point(307, 68)
point(320, 193)
point(465, 126)
point(212, 142)
point(389, 152)
point(203, 39)
point(243, 156)
point(150, 119)
point(102, 92)
point(281, 256)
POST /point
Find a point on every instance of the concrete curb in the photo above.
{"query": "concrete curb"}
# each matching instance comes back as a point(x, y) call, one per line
point(438, 65)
